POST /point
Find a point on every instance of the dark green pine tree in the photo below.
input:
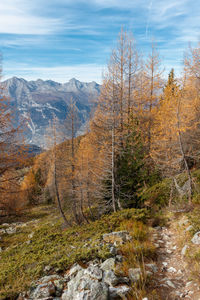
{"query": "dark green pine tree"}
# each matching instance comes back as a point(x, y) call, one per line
point(130, 169)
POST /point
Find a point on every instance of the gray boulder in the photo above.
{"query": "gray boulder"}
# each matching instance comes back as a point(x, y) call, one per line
point(108, 264)
point(47, 286)
point(94, 272)
point(110, 278)
point(43, 291)
point(74, 270)
point(85, 289)
point(119, 292)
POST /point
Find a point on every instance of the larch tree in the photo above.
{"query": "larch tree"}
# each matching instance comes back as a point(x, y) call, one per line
point(173, 117)
point(149, 88)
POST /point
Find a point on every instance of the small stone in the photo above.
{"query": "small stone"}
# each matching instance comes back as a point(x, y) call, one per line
point(11, 230)
point(153, 267)
point(169, 283)
point(30, 236)
point(169, 251)
point(164, 264)
point(160, 241)
point(119, 258)
point(165, 237)
point(188, 283)
point(189, 228)
point(190, 292)
point(172, 270)
point(169, 243)
point(184, 250)
point(196, 238)
point(113, 250)
point(158, 228)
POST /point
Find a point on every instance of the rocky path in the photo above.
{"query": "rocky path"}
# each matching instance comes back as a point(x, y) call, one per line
point(172, 280)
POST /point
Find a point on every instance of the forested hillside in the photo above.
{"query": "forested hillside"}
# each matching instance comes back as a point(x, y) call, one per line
point(134, 175)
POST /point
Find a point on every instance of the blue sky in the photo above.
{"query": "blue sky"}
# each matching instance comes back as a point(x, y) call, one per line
point(61, 39)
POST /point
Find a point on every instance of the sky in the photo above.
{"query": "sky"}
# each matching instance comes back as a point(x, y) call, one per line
point(62, 39)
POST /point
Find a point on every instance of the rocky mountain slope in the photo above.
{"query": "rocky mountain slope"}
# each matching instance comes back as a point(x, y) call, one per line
point(39, 101)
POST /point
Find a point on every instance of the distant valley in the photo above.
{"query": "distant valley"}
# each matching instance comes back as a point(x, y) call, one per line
point(39, 101)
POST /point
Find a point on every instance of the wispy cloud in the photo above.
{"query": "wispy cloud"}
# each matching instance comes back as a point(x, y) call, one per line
point(148, 17)
point(16, 17)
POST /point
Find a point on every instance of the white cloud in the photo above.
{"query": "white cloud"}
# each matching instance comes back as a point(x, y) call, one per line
point(83, 72)
point(17, 17)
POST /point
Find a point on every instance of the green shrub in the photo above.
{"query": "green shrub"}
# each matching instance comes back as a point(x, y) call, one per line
point(158, 194)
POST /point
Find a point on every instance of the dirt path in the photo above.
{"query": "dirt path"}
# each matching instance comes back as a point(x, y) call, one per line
point(172, 277)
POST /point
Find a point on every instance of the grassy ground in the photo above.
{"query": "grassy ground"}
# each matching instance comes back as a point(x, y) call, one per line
point(43, 242)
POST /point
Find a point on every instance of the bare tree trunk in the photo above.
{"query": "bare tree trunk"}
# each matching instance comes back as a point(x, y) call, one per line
point(129, 84)
point(171, 195)
point(73, 166)
point(119, 204)
point(113, 173)
point(150, 105)
point(58, 198)
point(55, 179)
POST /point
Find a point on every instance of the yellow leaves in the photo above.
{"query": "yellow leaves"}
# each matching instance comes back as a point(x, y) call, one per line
point(29, 181)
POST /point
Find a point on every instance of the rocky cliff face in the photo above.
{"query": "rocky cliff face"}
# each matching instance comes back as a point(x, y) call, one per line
point(39, 101)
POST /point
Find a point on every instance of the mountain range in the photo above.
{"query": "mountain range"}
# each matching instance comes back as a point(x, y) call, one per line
point(40, 101)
